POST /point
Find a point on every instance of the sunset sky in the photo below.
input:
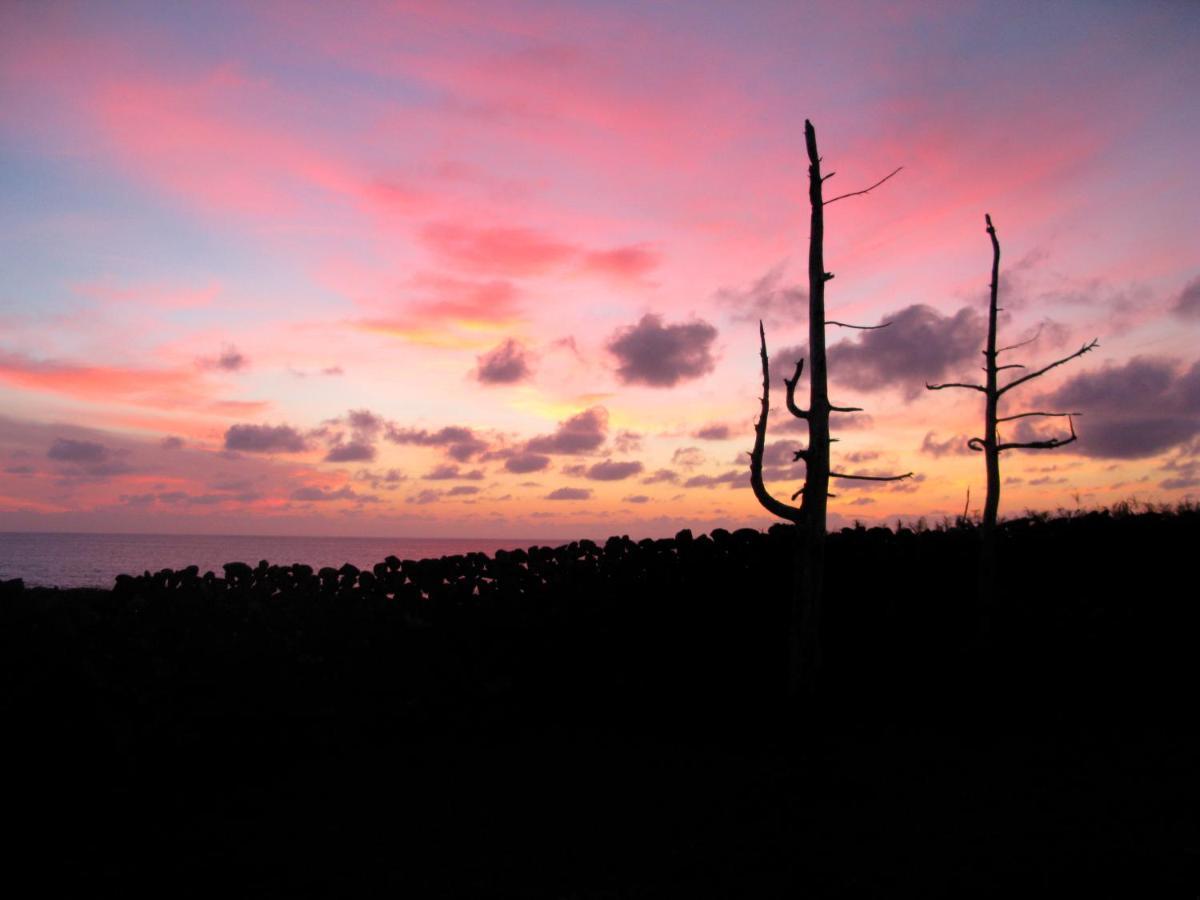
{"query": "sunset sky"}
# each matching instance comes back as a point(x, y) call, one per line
point(496, 269)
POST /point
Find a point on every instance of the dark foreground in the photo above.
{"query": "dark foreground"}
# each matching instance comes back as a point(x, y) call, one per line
point(608, 721)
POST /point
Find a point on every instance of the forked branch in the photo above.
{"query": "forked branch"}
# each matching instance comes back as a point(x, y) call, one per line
point(791, 390)
point(1041, 445)
point(772, 505)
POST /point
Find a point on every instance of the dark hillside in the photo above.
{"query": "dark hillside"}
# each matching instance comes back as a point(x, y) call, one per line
point(588, 721)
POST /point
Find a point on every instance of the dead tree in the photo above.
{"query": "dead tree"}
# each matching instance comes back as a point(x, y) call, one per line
point(804, 634)
point(991, 445)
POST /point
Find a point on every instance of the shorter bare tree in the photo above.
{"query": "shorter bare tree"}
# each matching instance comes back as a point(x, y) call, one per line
point(991, 444)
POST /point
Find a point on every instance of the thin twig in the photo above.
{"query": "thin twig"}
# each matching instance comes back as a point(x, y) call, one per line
point(1036, 335)
point(859, 327)
point(864, 191)
point(871, 477)
point(1026, 414)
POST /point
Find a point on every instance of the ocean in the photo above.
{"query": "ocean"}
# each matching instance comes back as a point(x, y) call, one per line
point(95, 560)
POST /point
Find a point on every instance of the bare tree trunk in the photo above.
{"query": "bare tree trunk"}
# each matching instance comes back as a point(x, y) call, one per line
point(804, 627)
point(991, 452)
point(991, 444)
point(816, 481)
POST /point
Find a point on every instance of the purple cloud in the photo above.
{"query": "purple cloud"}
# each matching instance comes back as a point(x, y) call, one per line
point(321, 495)
point(1135, 410)
point(521, 463)
point(351, 452)
point(613, 471)
point(658, 355)
point(955, 445)
point(264, 439)
point(715, 432)
point(505, 364)
point(1187, 304)
point(919, 345)
point(570, 493)
point(67, 450)
point(459, 443)
point(579, 434)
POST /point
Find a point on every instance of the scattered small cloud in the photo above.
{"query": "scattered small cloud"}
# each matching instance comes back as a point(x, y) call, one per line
point(581, 433)
point(713, 432)
point(767, 299)
point(614, 471)
point(459, 443)
point(229, 360)
point(452, 473)
point(353, 451)
point(1187, 304)
point(521, 463)
point(264, 439)
point(627, 442)
point(311, 494)
point(861, 456)
point(688, 457)
point(68, 450)
point(506, 363)
point(425, 497)
point(662, 476)
point(956, 445)
point(569, 493)
point(733, 478)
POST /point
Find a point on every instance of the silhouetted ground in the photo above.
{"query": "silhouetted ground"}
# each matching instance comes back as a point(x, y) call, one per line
point(609, 721)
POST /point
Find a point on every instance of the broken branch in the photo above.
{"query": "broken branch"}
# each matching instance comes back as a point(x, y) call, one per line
point(791, 392)
point(1041, 445)
point(939, 387)
point(859, 327)
point(871, 477)
point(1026, 414)
point(777, 507)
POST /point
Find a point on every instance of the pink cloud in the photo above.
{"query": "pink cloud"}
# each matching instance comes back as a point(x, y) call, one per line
point(512, 252)
point(160, 388)
point(631, 262)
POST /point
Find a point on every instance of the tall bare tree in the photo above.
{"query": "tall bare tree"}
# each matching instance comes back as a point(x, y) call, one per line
point(991, 444)
point(804, 635)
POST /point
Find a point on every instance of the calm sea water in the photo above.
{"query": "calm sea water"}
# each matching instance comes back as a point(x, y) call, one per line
point(95, 560)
